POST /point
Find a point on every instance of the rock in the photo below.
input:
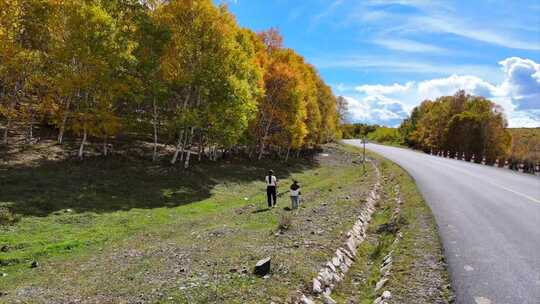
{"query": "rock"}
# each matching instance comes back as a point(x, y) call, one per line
point(5, 248)
point(387, 261)
point(335, 261)
point(386, 295)
point(3, 274)
point(34, 264)
point(317, 286)
point(380, 284)
point(328, 300)
point(325, 276)
point(378, 300)
point(306, 300)
point(386, 269)
point(262, 267)
point(331, 266)
point(233, 270)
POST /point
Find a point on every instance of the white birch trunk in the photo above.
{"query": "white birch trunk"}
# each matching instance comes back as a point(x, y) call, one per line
point(263, 141)
point(105, 146)
point(177, 149)
point(155, 124)
point(64, 121)
point(9, 121)
point(83, 142)
point(188, 156)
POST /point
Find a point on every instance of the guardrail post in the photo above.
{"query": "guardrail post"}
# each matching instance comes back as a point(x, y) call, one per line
point(463, 156)
point(506, 165)
point(472, 158)
point(537, 169)
point(483, 160)
point(497, 162)
point(521, 167)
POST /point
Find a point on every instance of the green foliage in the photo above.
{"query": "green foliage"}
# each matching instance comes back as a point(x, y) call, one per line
point(386, 135)
point(357, 130)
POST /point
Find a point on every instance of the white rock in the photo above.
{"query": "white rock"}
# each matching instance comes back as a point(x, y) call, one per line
point(328, 300)
point(331, 266)
point(386, 295)
point(380, 284)
point(306, 300)
point(378, 300)
point(325, 277)
point(335, 261)
point(317, 286)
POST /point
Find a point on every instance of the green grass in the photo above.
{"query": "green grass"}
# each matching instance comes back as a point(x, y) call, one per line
point(170, 236)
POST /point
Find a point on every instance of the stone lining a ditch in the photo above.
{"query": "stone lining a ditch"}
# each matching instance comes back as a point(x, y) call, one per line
point(333, 272)
point(386, 265)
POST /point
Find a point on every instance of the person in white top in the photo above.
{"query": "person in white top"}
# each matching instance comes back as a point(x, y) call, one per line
point(295, 194)
point(271, 189)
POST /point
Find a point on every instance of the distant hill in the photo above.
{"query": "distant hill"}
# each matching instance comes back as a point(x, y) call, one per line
point(525, 144)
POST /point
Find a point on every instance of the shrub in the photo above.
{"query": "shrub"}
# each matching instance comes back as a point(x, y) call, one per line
point(7, 217)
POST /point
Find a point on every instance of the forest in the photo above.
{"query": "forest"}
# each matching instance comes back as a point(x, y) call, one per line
point(179, 74)
point(462, 123)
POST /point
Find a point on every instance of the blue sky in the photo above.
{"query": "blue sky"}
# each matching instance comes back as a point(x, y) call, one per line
point(385, 57)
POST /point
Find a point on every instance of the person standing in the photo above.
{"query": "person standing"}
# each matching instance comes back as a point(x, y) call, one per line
point(271, 188)
point(295, 194)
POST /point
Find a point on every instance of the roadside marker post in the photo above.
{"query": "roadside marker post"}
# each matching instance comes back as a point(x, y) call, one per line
point(364, 155)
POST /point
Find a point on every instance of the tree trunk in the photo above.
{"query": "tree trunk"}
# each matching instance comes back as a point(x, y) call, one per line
point(105, 150)
point(201, 149)
point(155, 124)
point(83, 142)
point(62, 129)
point(8, 123)
point(177, 150)
point(263, 140)
point(288, 152)
point(188, 146)
point(188, 156)
point(31, 129)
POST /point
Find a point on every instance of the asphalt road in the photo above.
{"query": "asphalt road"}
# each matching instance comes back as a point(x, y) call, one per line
point(489, 222)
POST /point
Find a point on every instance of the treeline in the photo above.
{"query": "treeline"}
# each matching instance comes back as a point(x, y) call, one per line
point(178, 72)
point(463, 124)
point(525, 144)
point(357, 130)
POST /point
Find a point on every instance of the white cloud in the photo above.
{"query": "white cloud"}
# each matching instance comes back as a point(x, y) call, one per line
point(454, 25)
point(407, 45)
point(384, 89)
point(518, 94)
point(406, 66)
point(522, 82)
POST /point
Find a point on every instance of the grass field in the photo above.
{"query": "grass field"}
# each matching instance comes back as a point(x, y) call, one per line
point(113, 231)
point(122, 231)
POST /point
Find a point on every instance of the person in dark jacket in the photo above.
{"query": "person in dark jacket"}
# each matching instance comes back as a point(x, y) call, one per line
point(271, 189)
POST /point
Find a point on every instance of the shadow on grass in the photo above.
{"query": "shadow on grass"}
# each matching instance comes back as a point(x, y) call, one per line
point(117, 183)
